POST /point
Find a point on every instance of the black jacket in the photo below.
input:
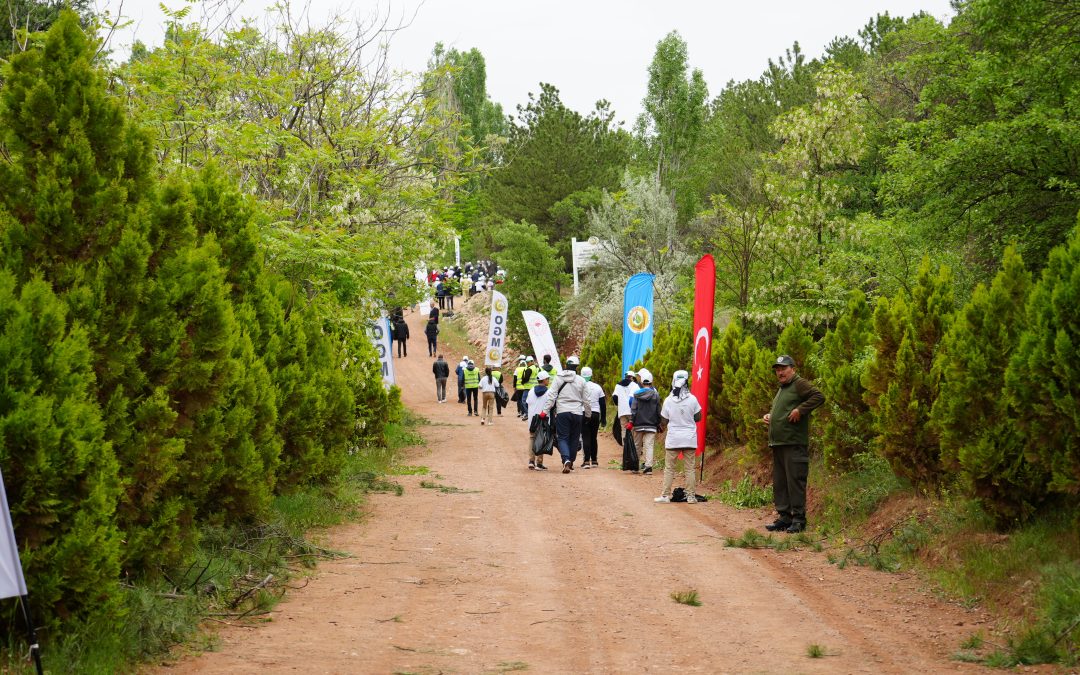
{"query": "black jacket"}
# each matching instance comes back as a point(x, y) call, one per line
point(431, 330)
point(646, 410)
point(401, 331)
point(441, 369)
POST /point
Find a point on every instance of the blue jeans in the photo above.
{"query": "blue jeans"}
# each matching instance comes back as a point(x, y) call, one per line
point(568, 435)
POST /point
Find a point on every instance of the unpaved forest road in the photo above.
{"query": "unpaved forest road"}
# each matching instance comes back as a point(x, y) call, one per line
point(572, 574)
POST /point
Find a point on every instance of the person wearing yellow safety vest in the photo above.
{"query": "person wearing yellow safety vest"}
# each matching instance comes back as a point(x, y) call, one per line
point(520, 389)
point(527, 381)
point(472, 388)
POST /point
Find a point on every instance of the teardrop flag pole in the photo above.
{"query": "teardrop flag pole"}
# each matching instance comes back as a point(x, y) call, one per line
point(704, 297)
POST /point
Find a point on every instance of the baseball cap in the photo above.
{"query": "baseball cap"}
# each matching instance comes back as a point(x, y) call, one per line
point(573, 361)
point(528, 359)
point(542, 375)
point(629, 373)
point(586, 372)
point(645, 375)
point(782, 361)
point(679, 378)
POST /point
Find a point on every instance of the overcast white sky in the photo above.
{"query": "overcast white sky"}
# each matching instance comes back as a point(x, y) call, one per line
point(589, 49)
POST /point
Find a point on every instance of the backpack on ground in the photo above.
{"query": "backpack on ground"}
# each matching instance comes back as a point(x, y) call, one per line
point(679, 495)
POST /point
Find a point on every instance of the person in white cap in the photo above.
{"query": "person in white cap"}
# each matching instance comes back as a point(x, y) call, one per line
point(568, 404)
point(680, 414)
point(622, 394)
point(595, 394)
point(535, 401)
point(645, 417)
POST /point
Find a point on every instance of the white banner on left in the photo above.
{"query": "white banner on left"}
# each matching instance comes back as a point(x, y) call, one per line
point(540, 336)
point(12, 584)
point(380, 337)
point(496, 331)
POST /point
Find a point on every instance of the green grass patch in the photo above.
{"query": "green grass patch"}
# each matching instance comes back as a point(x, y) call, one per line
point(852, 497)
point(755, 539)
point(745, 494)
point(686, 598)
point(446, 489)
point(815, 651)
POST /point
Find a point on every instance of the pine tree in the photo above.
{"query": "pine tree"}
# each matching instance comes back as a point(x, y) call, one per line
point(604, 356)
point(979, 437)
point(845, 353)
point(900, 385)
point(61, 475)
point(315, 405)
point(723, 397)
point(1043, 378)
point(797, 342)
point(757, 386)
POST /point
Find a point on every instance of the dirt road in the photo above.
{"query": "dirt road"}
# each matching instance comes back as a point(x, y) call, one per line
point(509, 569)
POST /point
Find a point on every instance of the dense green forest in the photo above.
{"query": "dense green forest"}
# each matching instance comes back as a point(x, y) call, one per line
point(193, 243)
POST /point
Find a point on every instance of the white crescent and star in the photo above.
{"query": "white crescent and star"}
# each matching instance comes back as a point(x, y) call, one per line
point(703, 333)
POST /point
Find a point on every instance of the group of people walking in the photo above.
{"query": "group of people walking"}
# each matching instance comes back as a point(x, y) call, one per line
point(575, 407)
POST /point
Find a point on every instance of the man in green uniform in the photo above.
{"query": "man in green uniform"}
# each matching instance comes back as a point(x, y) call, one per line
point(789, 436)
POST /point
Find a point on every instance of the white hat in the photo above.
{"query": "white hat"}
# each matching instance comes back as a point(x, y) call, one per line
point(528, 359)
point(586, 372)
point(521, 358)
point(573, 361)
point(542, 375)
point(645, 376)
point(679, 378)
point(629, 373)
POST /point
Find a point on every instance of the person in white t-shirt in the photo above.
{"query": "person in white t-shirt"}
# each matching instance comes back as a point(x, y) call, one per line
point(595, 395)
point(621, 395)
point(681, 413)
point(487, 394)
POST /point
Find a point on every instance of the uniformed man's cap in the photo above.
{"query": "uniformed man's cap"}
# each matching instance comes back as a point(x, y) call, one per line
point(782, 361)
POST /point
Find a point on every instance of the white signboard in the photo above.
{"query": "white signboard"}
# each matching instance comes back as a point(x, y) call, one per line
point(584, 253)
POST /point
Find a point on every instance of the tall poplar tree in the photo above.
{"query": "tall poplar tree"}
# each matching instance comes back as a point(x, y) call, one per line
point(674, 114)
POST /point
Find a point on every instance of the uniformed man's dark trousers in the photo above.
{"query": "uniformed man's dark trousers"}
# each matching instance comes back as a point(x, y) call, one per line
point(791, 466)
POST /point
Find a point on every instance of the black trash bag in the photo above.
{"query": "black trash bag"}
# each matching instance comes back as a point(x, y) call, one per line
point(679, 495)
point(616, 431)
point(543, 443)
point(501, 395)
point(629, 453)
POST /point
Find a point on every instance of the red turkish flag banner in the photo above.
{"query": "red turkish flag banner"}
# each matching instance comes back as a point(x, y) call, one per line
point(704, 297)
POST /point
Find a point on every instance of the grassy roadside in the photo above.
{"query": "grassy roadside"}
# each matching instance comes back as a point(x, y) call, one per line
point(1028, 576)
point(237, 576)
